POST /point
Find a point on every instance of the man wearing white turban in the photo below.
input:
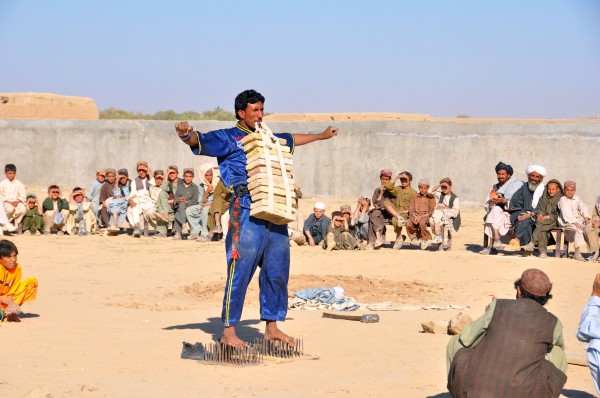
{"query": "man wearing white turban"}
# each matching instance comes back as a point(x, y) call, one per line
point(525, 203)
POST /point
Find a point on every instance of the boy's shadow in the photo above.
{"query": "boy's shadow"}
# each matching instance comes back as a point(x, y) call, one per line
point(214, 326)
point(26, 315)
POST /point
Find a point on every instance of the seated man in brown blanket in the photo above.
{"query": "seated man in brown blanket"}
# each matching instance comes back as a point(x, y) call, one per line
point(516, 349)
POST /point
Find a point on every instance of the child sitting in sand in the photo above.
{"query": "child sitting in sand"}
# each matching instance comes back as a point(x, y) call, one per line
point(338, 235)
point(13, 291)
point(33, 221)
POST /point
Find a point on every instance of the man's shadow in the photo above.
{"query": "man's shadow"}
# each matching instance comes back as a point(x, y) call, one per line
point(566, 393)
point(26, 315)
point(214, 326)
point(577, 394)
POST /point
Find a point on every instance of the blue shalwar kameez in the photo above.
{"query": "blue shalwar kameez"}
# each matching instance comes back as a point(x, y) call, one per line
point(257, 242)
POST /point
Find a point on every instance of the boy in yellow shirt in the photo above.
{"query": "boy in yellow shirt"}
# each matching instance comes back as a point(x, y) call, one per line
point(13, 291)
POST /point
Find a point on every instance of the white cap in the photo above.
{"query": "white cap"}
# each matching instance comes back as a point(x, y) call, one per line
point(320, 205)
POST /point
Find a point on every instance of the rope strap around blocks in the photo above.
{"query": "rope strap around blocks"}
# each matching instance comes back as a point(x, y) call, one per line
point(270, 141)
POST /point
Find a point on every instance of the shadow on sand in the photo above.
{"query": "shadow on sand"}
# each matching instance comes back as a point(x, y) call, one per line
point(214, 326)
point(566, 393)
point(577, 394)
point(27, 315)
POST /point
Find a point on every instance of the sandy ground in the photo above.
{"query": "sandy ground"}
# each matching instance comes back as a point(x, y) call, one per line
point(112, 312)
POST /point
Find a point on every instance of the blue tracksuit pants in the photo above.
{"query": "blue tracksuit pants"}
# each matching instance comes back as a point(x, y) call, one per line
point(261, 244)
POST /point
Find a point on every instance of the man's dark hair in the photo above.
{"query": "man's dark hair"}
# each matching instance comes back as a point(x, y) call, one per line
point(336, 213)
point(410, 177)
point(53, 187)
point(247, 97)
point(10, 167)
point(538, 299)
point(76, 189)
point(7, 248)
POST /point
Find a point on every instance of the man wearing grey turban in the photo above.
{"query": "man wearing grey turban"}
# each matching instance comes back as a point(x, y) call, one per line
point(497, 220)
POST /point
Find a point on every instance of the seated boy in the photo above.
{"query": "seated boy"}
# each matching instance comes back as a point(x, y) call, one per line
point(316, 225)
point(547, 219)
point(187, 195)
point(219, 206)
point(574, 217)
point(82, 219)
point(338, 235)
point(33, 221)
point(360, 221)
point(56, 212)
point(13, 291)
point(12, 192)
point(419, 211)
point(446, 216)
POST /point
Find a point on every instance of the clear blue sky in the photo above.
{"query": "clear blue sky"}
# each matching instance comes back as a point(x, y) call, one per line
point(444, 58)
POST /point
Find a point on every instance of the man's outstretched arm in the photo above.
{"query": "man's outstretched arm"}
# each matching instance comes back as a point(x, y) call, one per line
point(302, 139)
point(186, 133)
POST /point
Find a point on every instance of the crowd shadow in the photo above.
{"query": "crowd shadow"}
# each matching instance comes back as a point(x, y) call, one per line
point(214, 326)
point(473, 248)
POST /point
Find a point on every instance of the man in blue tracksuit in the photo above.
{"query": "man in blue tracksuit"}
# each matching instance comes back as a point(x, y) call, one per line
point(250, 242)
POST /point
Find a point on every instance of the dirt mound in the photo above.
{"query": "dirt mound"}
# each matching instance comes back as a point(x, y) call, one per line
point(46, 106)
point(361, 288)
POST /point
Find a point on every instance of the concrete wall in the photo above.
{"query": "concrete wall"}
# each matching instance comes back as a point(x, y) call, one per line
point(68, 152)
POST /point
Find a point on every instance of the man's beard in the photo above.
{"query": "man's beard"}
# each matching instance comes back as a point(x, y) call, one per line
point(532, 186)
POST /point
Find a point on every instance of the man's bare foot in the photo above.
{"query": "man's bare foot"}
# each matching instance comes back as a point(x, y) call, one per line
point(13, 318)
point(272, 332)
point(230, 338)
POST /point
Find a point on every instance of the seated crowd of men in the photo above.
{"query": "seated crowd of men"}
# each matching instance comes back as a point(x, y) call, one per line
point(529, 211)
point(165, 204)
point(431, 207)
point(150, 201)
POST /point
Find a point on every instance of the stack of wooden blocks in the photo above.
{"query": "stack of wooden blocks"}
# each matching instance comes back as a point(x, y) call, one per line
point(277, 210)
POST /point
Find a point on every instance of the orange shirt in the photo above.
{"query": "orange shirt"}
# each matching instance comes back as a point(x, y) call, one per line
point(9, 280)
